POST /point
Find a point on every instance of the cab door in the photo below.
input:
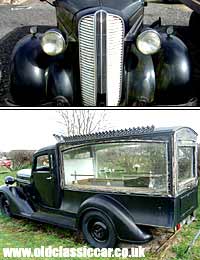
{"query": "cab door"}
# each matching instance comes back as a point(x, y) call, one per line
point(44, 179)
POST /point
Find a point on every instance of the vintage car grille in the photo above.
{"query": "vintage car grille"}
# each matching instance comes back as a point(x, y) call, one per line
point(101, 47)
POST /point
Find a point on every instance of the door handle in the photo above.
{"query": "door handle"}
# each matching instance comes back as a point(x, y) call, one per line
point(49, 178)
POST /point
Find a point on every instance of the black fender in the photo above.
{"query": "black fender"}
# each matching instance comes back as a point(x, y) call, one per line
point(122, 221)
point(173, 72)
point(139, 77)
point(36, 77)
point(59, 82)
point(18, 204)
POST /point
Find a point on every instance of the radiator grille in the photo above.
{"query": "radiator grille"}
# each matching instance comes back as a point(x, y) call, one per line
point(87, 60)
point(115, 51)
point(90, 58)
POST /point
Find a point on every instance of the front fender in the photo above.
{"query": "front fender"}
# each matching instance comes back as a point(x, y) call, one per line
point(123, 222)
point(18, 204)
point(173, 72)
point(139, 77)
point(36, 77)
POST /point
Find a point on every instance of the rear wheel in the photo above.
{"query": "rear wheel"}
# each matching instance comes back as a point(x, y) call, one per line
point(98, 230)
point(5, 206)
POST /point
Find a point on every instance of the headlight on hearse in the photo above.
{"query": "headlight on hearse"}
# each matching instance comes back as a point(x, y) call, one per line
point(148, 42)
point(53, 42)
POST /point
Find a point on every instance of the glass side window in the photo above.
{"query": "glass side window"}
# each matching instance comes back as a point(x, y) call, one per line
point(140, 165)
point(185, 164)
point(42, 162)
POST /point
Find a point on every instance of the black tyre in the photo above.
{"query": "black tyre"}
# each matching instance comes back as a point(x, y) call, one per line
point(5, 206)
point(98, 230)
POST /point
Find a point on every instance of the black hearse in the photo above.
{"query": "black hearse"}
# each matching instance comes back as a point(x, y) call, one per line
point(101, 54)
point(112, 185)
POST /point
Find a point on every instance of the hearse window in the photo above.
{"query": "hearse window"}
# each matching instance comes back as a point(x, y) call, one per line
point(42, 162)
point(185, 165)
point(118, 166)
point(78, 165)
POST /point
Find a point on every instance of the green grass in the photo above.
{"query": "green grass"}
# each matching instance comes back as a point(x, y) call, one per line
point(3, 171)
point(24, 233)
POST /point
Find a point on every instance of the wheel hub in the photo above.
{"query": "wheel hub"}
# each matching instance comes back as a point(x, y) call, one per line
point(99, 231)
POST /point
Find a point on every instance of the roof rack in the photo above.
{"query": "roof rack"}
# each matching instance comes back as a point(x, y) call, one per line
point(108, 134)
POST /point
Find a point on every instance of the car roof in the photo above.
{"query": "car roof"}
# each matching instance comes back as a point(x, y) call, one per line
point(172, 129)
point(131, 133)
point(47, 148)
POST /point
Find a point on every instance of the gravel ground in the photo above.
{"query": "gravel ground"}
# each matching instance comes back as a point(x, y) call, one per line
point(30, 13)
point(15, 22)
point(171, 14)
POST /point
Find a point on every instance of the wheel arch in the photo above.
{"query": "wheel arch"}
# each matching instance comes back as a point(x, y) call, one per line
point(121, 219)
point(18, 205)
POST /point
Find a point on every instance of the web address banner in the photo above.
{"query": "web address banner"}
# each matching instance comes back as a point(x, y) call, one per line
point(82, 252)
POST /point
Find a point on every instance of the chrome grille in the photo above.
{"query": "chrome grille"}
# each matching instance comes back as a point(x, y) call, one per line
point(93, 59)
point(87, 60)
point(115, 51)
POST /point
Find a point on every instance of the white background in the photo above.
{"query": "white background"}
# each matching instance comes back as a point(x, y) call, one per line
point(33, 129)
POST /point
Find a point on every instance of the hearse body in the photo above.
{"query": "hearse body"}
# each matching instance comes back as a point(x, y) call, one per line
point(112, 186)
point(100, 54)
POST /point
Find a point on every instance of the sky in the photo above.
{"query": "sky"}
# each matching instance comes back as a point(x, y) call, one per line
point(34, 129)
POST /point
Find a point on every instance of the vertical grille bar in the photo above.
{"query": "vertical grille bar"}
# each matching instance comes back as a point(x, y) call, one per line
point(101, 44)
point(101, 18)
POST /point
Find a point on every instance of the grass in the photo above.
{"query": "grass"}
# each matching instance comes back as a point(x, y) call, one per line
point(24, 233)
point(4, 170)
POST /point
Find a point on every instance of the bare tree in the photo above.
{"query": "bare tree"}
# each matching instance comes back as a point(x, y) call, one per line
point(21, 158)
point(81, 122)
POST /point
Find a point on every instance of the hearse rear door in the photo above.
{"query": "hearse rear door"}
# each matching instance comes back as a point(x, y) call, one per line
point(44, 179)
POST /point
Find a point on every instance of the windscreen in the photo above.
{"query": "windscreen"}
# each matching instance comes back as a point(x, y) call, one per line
point(138, 166)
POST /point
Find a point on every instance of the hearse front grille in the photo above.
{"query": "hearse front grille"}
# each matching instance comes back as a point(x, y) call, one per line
point(87, 60)
point(101, 48)
point(115, 51)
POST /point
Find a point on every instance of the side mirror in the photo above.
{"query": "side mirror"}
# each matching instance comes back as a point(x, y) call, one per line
point(9, 180)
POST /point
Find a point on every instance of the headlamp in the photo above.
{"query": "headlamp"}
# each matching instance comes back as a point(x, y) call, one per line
point(148, 42)
point(53, 42)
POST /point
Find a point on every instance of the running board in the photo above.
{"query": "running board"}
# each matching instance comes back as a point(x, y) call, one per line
point(54, 219)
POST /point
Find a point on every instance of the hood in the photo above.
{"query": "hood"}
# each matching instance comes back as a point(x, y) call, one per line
point(23, 176)
point(122, 6)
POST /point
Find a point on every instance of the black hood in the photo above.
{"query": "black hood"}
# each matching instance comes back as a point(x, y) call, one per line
point(122, 6)
point(69, 12)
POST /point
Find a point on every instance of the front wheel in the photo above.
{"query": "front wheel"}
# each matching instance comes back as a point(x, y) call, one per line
point(98, 230)
point(5, 206)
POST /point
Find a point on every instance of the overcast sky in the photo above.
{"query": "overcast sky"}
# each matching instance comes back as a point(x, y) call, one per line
point(33, 129)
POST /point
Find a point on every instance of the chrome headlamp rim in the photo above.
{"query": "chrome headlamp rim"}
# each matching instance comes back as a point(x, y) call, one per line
point(149, 30)
point(58, 34)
